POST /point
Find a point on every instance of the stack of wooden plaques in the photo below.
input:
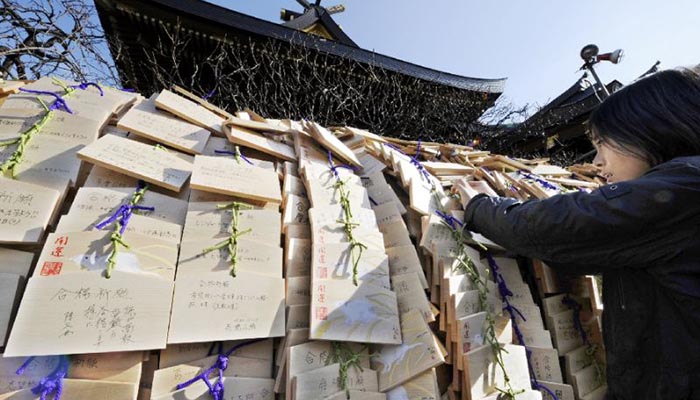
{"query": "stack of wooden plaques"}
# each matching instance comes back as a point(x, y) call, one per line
point(14, 269)
point(249, 370)
point(462, 316)
point(41, 177)
point(583, 361)
point(162, 248)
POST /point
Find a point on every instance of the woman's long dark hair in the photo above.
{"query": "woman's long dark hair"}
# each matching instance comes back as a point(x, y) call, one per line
point(656, 118)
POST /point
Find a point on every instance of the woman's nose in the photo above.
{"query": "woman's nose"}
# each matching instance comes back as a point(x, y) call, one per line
point(598, 160)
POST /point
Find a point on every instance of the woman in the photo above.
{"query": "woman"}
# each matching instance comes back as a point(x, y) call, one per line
point(640, 231)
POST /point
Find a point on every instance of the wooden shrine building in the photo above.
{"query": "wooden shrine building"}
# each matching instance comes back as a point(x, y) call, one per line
point(305, 67)
point(558, 130)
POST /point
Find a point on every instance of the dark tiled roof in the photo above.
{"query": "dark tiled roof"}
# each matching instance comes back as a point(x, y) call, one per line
point(577, 101)
point(218, 21)
point(317, 14)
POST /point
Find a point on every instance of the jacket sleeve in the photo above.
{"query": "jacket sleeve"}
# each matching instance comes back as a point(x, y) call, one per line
point(625, 224)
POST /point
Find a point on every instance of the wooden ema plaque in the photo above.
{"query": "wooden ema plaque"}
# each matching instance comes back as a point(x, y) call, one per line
point(160, 167)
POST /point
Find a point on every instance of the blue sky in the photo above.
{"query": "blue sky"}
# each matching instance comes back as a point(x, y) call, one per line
point(534, 43)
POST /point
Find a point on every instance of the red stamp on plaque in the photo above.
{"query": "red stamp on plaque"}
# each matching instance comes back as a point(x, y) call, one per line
point(321, 313)
point(51, 268)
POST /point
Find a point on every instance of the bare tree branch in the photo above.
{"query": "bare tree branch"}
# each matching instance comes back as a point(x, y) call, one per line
point(286, 80)
point(45, 37)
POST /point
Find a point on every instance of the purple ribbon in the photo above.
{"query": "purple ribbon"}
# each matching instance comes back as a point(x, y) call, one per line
point(85, 85)
point(391, 146)
point(449, 219)
point(53, 382)
point(217, 390)
point(512, 311)
point(208, 95)
point(125, 211)
point(128, 90)
point(233, 153)
point(414, 160)
point(538, 386)
point(539, 180)
point(505, 293)
point(24, 365)
point(574, 305)
point(334, 168)
point(59, 103)
point(419, 166)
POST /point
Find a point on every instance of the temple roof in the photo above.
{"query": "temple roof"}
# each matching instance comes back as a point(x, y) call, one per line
point(575, 103)
point(219, 23)
point(564, 118)
point(317, 20)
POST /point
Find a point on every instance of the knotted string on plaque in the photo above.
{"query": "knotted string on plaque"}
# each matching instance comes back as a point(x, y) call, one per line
point(591, 348)
point(51, 383)
point(345, 357)
point(25, 137)
point(120, 218)
point(231, 243)
point(512, 311)
point(10, 164)
point(464, 264)
point(236, 153)
point(414, 161)
point(356, 247)
point(216, 390)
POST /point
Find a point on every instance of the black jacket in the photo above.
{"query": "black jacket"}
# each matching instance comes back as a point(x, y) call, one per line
point(642, 236)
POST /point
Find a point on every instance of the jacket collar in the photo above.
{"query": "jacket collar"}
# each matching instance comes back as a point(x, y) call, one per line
point(688, 161)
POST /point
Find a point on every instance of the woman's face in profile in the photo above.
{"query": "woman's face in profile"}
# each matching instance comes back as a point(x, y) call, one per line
point(616, 165)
